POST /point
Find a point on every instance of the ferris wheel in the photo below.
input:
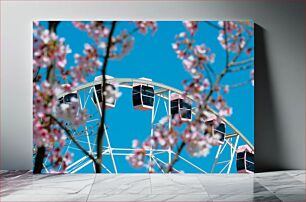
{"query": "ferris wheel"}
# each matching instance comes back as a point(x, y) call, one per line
point(147, 95)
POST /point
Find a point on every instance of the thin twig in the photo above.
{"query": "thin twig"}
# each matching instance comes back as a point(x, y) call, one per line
point(60, 124)
point(213, 25)
point(238, 69)
point(242, 62)
point(237, 85)
point(36, 76)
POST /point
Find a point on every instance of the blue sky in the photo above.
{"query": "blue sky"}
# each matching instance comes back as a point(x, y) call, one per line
point(153, 57)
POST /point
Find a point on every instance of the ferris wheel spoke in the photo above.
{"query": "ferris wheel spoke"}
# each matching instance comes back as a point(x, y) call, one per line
point(197, 167)
point(166, 164)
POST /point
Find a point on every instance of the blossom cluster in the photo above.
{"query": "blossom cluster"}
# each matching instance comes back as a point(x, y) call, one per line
point(145, 26)
point(60, 160)
point(191, 26)
point(71, 113)
point(111, 93)
point(122, 45)
point(231, 35)
point(48, 49)
point(97, 30)
point(45, 133)
point(85, 64)
point(193, 57)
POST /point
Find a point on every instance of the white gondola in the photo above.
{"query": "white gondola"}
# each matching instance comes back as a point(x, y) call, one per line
point(181, 107)
point(98, 89)
point(216, 130)
point(143, 96)
point(245, 159)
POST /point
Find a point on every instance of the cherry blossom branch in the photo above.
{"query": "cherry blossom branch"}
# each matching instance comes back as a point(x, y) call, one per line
point(217, 82)
point(213, 25)
point(243, 83)
point(176, 157)
point(238, 69)
point(35, 79)
point(40, 155)
point(100, 133)
point(241, 62)
point(211, 70)
point(226, 69)
point(51, 70)
point(60, 124)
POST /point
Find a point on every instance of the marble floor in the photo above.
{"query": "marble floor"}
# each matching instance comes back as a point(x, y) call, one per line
point(269, 186)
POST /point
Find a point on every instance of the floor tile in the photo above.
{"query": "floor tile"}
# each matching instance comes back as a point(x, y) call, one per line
point(298, 175)
point(112, 184)
point(170, 184)
point(292, 197)
point(150, 197)
point(245, 198)
point(230, 184)
point(43, 198)
point(48, 184)
point(281, 183)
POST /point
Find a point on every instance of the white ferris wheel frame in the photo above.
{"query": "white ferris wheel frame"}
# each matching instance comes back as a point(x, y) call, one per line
point(162, 91)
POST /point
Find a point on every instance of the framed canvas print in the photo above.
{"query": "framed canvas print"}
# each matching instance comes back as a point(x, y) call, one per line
point(143, 97)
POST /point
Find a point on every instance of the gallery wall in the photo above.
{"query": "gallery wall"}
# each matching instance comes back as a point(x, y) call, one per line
point(279, 67)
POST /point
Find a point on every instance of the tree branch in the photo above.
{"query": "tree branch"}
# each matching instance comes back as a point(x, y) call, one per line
point(176, 157)
point(100, 133)
point(60, 124)
point(213, 25)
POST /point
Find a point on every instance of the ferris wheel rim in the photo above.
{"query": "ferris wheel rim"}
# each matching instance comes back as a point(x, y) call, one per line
point(123, 82)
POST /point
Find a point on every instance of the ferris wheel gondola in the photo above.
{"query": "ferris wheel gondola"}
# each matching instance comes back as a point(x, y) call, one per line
point(98, 93)
point(245, 159)
point(216, 128)
point(67, 98)
point(180, 106)
point(143, 96)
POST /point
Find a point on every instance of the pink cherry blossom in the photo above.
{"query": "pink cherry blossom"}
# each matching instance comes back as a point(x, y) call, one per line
point(85, 65)
point(144, 26)
point(48, 49)
point(192, 26)
point(235, 36)
point(193, 57)
point(122, 45)
point(95, 29)
point(137, 159)
point(71, 113)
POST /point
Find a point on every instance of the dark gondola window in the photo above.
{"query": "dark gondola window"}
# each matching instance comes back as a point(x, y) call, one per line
point(250, 162)
point(174, 107)
point(136, 96)
point(240, 161)
point(99, 93)
point(69, 96)
point(185, 109)
point(143, 95)
point(147, 95)
point(98, 89)
point(221, 130)
point(250, 167)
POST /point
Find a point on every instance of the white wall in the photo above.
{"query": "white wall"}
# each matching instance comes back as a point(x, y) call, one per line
point(280, 62)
